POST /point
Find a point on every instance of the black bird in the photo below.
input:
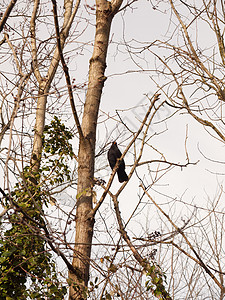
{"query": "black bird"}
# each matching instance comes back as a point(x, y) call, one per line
point(113, 154)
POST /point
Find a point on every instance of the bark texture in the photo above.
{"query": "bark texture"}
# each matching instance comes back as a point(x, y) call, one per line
point(44, 82)
point(84, 223)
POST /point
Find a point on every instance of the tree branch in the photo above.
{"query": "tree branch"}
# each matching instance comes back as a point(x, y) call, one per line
point(201, 263)
point(136, 254)
point(116, 5)
point(66, 71)
point(33, 41)
point(6, 14)
point(43, 226)
point(92, 214)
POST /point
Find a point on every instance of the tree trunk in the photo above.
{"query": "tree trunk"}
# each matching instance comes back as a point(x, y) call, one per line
point(39, 128)
point(45, 82)
point(84, 225)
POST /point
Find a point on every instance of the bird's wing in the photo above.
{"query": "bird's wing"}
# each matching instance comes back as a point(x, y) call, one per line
point(112, 159)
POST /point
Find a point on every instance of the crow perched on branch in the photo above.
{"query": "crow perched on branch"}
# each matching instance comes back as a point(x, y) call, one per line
point(113, 154)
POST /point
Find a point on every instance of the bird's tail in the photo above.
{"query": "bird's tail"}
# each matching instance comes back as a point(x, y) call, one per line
point(122, 176)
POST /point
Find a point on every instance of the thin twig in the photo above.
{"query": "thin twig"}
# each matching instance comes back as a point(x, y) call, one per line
point(93, 212)
point(66, 71)
point(43, 226)
point(201, 263)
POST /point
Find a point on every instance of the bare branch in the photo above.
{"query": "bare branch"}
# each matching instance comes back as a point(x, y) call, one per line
point(43, 226)
point(186, 239)
point(116, 5)
point(33, 41)
point(155, 98)
point(7, 13)
point(66, 71)
point(136, 254)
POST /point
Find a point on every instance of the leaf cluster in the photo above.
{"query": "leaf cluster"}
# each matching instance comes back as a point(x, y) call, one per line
point(56, 152)
point(155, 281)
point(27, 269)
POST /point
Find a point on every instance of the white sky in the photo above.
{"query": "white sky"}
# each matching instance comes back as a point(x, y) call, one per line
point(125, 91)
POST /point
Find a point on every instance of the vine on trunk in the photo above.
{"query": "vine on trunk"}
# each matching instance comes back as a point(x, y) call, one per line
point(27, 269)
